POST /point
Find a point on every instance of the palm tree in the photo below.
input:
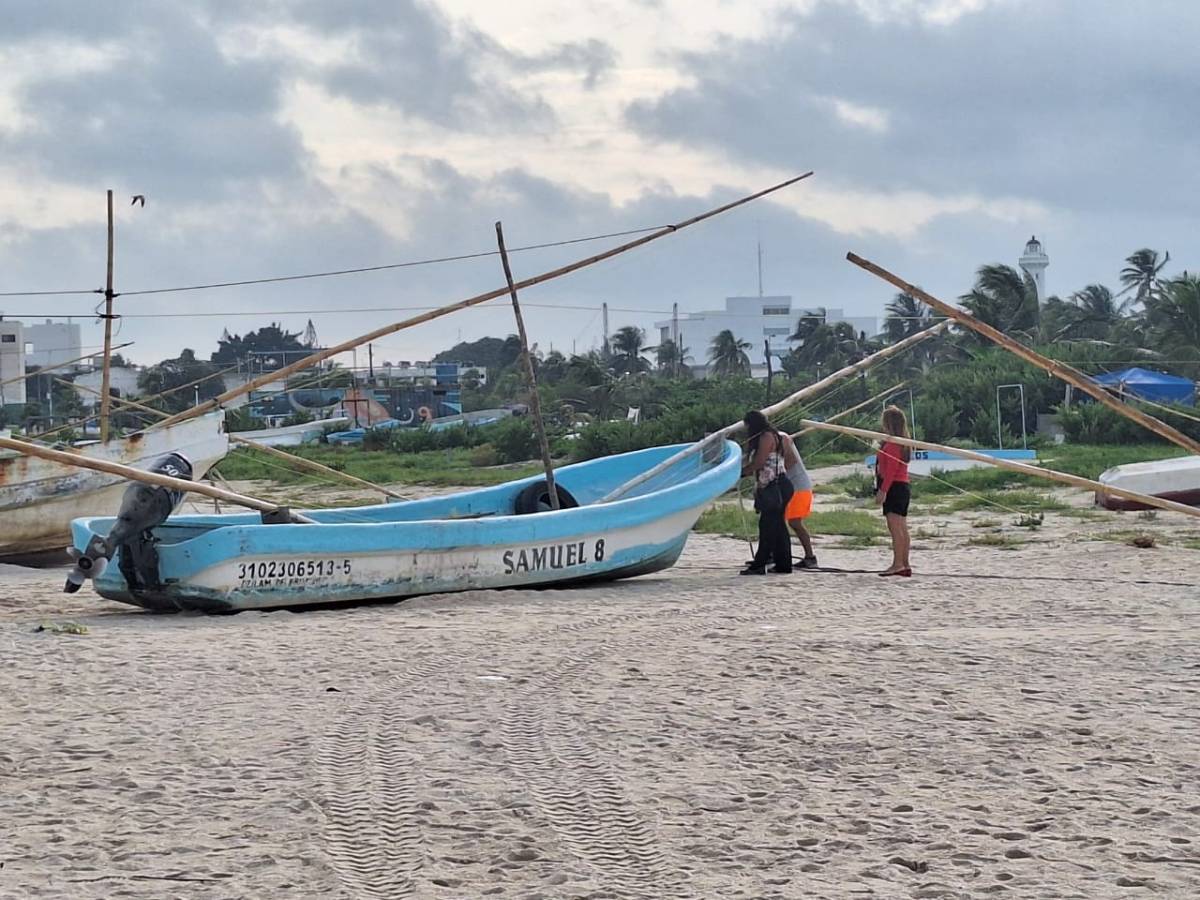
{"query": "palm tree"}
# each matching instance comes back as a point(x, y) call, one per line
point(1173, 317)
point(727, 355)
point(809, 322)
point(672, 358)
point(906, 315)
point(1142, 274)
point(1092, 314)
point(1004, 299)
point(627, 346)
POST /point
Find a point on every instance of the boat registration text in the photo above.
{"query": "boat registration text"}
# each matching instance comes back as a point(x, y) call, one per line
point(284, 571)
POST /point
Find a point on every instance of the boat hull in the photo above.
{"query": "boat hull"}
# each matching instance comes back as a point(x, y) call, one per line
point(926, 462)
point(40, 498)
point(396, 551)
point(1175, 479)
point(292, 435)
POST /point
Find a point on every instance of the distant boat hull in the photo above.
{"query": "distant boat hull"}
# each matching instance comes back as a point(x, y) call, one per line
point(926, 462)
point(39, 498)
point(1171, 479)
point(291, 435)
point(466, 541)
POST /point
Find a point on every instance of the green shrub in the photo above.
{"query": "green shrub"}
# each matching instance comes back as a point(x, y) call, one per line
point(513, 439)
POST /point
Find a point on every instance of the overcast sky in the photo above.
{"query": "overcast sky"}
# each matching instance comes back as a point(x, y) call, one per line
point(291, 136)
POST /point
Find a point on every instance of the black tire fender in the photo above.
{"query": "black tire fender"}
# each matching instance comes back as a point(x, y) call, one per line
point(534, 498)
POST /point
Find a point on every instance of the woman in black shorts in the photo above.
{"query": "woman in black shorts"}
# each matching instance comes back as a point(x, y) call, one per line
point(892, 490)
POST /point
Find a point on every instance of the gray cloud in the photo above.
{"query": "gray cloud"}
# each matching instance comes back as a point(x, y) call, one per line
point(1077, 104)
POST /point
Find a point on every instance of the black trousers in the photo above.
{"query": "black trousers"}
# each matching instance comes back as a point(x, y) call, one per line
point(774, 540)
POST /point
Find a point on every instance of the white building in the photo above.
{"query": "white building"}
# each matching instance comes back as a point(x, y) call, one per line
point(52, 343)
point(753, 320)
point(1034, 262)
point(124, 379)
point(12, 363)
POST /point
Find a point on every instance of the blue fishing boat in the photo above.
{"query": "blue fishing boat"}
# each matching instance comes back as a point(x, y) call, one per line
point(497, 537)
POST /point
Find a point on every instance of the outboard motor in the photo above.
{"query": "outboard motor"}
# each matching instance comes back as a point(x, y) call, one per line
point(143, 508)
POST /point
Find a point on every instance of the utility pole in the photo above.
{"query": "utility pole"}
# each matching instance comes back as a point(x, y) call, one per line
point(105, 400)
point(760, 291)
point(371, 363)
point(675, 324)
point(770, 372)
point(604, 319)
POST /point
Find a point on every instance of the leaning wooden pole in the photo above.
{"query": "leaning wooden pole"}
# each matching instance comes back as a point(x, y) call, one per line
point(791, 400)
point(1061, 370)
point(319, 356)
point(535, 400)
point(80, 461)
point(106, 371)
point(1010, 465)
point(297, 461)
point(855, 408)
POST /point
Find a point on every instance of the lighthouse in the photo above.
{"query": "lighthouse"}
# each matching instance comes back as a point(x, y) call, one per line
point(1033, 262)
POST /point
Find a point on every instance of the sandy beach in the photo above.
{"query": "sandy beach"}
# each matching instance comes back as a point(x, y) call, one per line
point(1019, 723)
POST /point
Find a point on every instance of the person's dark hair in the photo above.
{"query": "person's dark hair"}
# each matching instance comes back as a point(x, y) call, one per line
point(756, 425)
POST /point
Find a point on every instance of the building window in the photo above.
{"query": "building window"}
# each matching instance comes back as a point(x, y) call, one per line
point(776, 311)
point(777, 332)
point(8, 338)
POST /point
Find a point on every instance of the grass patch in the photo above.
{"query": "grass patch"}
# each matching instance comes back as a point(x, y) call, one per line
point(1090, 460)
point(925, 534)
point(1025, 501)
point(986, 523)
point(729, 519)
point(846, 522)
point(1190, 545)
point(999, 541)
point(435, 467)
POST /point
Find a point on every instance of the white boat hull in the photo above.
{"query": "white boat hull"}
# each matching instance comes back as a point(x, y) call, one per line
point(1171, 479)
point(291, 435)
point(39, 498)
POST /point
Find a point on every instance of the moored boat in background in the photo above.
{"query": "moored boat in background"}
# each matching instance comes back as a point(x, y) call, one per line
point(1175, 479)
point(39, 498)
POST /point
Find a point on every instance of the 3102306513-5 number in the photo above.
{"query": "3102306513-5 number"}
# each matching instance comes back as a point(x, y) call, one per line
point(293, 568)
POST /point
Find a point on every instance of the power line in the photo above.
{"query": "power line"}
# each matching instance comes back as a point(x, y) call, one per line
point(337, 272)
point(321, 312)
point(48, 293)
point(401, 265)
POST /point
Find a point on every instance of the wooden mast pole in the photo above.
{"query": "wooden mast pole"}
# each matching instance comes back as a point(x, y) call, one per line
point(105, 401)
point(792, 399)
point(1023, 468)
point(311, 360)
point(1060, 370)
point(535, 400)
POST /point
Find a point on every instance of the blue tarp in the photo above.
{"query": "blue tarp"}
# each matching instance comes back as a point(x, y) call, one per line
point(1149, 385)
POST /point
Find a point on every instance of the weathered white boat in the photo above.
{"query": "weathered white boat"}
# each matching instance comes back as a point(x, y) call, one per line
point(1172, 479)
point(38, 498)
point(497, 537)
point(292, 435)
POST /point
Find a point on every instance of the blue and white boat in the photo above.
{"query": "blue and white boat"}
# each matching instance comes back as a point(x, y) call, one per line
point(926, 462)
point(497, 537)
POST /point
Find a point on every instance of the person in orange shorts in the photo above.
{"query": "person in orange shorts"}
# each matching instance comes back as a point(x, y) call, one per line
point(800, 506)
